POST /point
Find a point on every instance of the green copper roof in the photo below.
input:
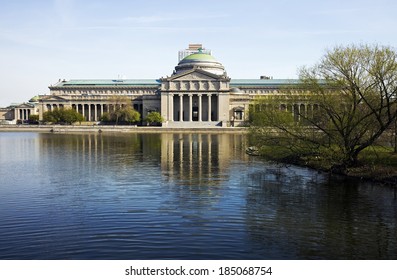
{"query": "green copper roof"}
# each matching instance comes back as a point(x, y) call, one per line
point(115, 82)
point(199, 56)
point(263, 82)
point(34, 98)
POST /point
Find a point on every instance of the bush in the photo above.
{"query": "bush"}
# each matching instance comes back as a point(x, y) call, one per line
point(154, 118)
point(62, 116)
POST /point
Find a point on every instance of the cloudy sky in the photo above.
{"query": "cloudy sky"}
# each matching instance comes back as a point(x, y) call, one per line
point(42, 41)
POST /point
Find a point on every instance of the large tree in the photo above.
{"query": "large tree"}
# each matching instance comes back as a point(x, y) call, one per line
point(67, 116)
point(353, 90)
point(121, 111)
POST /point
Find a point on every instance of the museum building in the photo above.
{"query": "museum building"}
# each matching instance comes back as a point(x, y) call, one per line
point(198, 93)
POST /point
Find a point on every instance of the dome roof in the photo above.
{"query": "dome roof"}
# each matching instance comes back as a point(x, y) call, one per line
point(199, 57)
point(34, 99)
point(202, 61)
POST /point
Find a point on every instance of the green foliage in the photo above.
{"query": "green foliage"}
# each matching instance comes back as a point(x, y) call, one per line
point(154, 117)
point(121, 115)
point(48, 117)
point(123, 112)
point(129, 115)
point(105, 117)
point(354, 89)
point(34, 118)
point(62, 116)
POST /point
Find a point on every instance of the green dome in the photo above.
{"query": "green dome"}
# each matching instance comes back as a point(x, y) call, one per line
point(34, 99)
point(199, 57)
point(202, 61)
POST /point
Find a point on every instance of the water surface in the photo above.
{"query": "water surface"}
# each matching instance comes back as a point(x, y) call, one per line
point(179, 196)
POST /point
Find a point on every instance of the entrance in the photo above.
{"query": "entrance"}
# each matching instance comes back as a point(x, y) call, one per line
point(195, 114)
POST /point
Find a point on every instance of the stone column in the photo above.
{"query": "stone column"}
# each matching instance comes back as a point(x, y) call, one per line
point(209, 107)
point(89, 112)
point(171, 108)
point(190, 108)
point(200, 110)
point(181, 107)
point(101, 109)
point(96, 112)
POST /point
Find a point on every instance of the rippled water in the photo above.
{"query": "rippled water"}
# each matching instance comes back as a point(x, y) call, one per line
point(179, 196)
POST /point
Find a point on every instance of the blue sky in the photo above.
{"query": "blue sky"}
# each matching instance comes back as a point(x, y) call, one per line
point(44, 40)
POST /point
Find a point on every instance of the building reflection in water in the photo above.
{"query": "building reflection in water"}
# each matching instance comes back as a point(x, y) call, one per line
point(189, 172)
point(196, 170)
point(199, 159)
point(188, 159)
point(183, 191)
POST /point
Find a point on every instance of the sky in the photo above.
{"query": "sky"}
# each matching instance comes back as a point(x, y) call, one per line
point(42, 41)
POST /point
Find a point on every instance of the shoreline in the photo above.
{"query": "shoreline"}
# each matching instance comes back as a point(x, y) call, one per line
point(117, 128)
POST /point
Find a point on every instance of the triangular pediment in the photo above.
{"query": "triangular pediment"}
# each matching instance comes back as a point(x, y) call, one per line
point(24, 105)
point(50, 98)
point(195, 75)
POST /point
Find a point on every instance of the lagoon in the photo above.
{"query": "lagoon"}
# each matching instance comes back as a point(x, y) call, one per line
point(180, 196)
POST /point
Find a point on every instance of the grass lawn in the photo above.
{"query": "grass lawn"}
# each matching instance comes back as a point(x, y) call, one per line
point(377, 163)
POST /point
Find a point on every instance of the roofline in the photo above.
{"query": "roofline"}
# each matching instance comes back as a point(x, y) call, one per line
point(106, 83)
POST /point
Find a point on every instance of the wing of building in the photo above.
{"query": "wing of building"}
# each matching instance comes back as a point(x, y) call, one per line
point(198, 93)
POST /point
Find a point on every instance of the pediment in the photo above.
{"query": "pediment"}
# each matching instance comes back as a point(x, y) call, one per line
point(55, 98)
point(24, 105)
point(195, 75)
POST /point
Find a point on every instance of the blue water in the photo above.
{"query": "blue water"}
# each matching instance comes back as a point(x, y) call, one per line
point(180, 196)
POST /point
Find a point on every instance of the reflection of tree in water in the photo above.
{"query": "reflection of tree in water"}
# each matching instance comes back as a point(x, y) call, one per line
point(291, 214)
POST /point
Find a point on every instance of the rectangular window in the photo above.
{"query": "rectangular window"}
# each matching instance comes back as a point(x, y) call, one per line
point(238, 115)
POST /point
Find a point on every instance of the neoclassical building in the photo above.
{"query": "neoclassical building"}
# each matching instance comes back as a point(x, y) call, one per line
point(198, 93)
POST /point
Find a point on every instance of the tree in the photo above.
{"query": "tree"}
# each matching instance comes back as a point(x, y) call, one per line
point(122, 110)
point(48, 116)
point(154, 117)
point(33, 118)
point(129, 115)
point(354, 89)
point(68, 116)
point(105, 117)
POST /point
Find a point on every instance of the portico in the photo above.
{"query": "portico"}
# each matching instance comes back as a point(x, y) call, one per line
point(193, 107)
point(195, 92)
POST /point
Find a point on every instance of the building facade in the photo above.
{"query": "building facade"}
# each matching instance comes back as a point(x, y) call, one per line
point(198, 93)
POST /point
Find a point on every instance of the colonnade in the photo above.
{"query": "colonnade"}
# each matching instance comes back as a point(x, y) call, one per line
point(298, 110)
point(23, 114)
point(193, 107)
point(90, 112)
